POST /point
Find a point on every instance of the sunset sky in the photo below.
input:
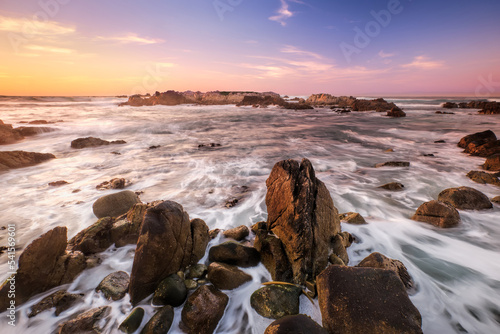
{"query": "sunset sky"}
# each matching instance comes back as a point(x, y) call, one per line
point(354, 47)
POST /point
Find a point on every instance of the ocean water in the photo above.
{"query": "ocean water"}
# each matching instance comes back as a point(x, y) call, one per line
point(457, 271)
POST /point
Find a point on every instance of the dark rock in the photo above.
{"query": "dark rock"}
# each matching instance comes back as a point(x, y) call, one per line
point(393, 186)
point(19, 159)
point(396, 112)
point(210, 145)
point(58, 183)
point(440, 142)
point(352, 218)
point(365, 300)
point(116, 183)
point(154, 147)
point(479, 137)
point(450, 105)
point(276, 301)
point(94, 239)
point(60, 300)
point(298, 324)
point(263, 101)
point(88, 322)
point(465, 198)
point(484, 178)
point(199, 232)
point(339, 246)
point(234, 254)
point(133, 321)
point(203, 310)
point(169, 98)
point(336, 260)
point(226, 277)
point(93, 142)
point(393, 164)
point(161, 322)
point(238, 233)
point(115, 205)
point(438, 214)
point(377, 260)
point(171, 291)
point(115, 285)
point(296, 106)
point(197, 271)
point(445, 112)
point(273, 256)
point(492, 163)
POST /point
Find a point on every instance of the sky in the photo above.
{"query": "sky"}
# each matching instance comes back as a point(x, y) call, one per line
point(294, 47)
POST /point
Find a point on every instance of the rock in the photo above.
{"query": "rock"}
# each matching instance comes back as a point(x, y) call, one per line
point(496, 200)
point(115, 285)
point(191, 284)
point(60, 300)
point(47, 257)
point(483, 144)
point(465, 198)
point(393, 164)
point(214, 233)
point(440, 142)
point(88, 322)
point(197, 271)
point(365, 300)
point(352, 218)
point(116, 204)
point(116, 183)
point(484, 178)
point(273, 256)
point(302, 215)
point(171, 291)
point(19, 159)
point(263, 101)
point(492, 163)
point(298, 324)
point(445, 112)
point(168, 242)
point(8, 135)
point(94, 239)
point(377, 260)
point(210, 145)
point(276, 301)
point(396, 112)
point(234, 254)
point(203, 310)
point(450, 105)
point(133, 321)
point(226, 277)
point(93, 142)
point(161, 322)
point(479, 137)
point(238, 233)
point(339, 245)
point(28, 131)
point(336, 260)
point(58, 183)
point(393, 186)
point(438, 214)
point(40, 121)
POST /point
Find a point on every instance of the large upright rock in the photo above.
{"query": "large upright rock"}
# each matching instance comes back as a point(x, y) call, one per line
point(302, 215)
point(165, 246)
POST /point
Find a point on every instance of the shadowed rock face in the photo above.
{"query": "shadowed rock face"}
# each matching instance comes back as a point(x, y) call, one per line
point(19, 159)
point(299, 323)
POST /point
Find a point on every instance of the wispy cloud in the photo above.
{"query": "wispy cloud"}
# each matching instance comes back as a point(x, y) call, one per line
point(382, 54)
point(425, 63)
point(131, 38)
point(34, 28)
point(297, 51)
point(45, 48)
point(283, 14)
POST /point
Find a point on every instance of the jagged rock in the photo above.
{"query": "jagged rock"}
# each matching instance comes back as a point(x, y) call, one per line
point(479, 137)
point(93, 142)
point(116, 183)
point(58, 183)
point(171, 291)
point(167, 244)
point(336, 260)
point(393, 186)
point(19, 159)
point(93, 239)
point(261, 100)
point(133, 321)
point(273, 256)
point(88, 322)
point(203, 310)
point(465, 198)
point(484, 177)
point(60, 300)
point(28, 131)
point(352, 218)
point(483, 144)
point(197, 271)
point(234, 254)
point(438, 214)
point(115, 205)
point(115, 285)
point(238, 233)
point(396, 112)
point(450, 105)
point(365, 300)
point(492, 163)
point(377, 260)
point(161, 322)
point(298, 324)
point(393, 164)
point(340, 243)
point(8, 135)
point(276, 301)
point(226, 277)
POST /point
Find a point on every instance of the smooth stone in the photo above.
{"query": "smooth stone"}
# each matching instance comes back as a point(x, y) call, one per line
point(171, 291)
point(276, 301)
point(161, 322)
point(234, 254)
point(437, 213)
point(116, 204)
point(295, 324)
point(203, 310)
point(115, 285)
point(226, 277)
point(133, 321)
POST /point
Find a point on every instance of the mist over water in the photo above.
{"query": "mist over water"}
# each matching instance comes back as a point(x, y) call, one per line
point(456, 271)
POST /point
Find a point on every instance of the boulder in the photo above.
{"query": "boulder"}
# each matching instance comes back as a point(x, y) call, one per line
point(484, 177)
point(465, 198)
point(226, 277)
point(299, 324)
point(87, 322)
point(437, 213)
point(238, 233)
point(94, 239)
point(365, 300)
point(393, 164)
point(396, 112)
point(377, 260)
point(496, 200)
point(235, 254)
point(60, 300)
point(302, 215)
point(480, 138)
point(483, 150)
point(19, 159)
point(161, 322)
point(28, 131)
point(8, 135)
point(115, 285)
point(492, 163)
point(171, 291)
point(197, 271)
point(133, 321)
point(201, 237)
point(339, 246)
point(116, 204)
point(450, 105)
point(93, 142)
point(273, 256)
point(116, 183)
point(393, 186)
point(276, 301)
point(352, 218)
point(203, 310)
point(165, 246)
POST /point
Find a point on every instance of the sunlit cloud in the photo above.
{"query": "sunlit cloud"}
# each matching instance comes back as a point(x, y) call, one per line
point(33, 27)
point(295, 50)
point(283, 14)
point(45, 48)
point(131, 38)
point(425, 63)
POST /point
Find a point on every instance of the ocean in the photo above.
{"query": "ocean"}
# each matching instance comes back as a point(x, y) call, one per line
point(456, 271)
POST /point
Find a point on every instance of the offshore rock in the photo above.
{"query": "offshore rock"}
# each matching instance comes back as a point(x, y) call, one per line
point(437, 213)
point(484, 177)
point(19, 159)
point(465, 198)
point(492, 163)
point(93, 142)
point(396, 112)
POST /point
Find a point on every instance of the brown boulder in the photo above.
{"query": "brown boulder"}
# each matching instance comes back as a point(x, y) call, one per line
point(114, 286)
point(492, 163)
point(201, 237)
point(60, 300)
point(377, 260)
point(450, 105)
point(295, 324)
point(483, 150)
point(393, 186)
point(93, 142)
point(235, 254)
point(88, 322)
point(273, 256)
point(19, 159)
point(226, 277)
point(480, 138)
point(465, 198)
point(8, 135)
point(438, 214)
point(238, 233)
point(484, 177)
point(393, 164)
point(116, 204)
point(365, 300)
point(352, 218)
point(396, 112)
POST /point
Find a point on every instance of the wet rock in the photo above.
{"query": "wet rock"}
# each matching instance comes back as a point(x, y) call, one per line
point(19, 159)
point(258, 226)
point(365, 300)
point(299, 323)
point(393, 164)
point(28, 131)
point(8, 135)
point(115, 285)
point(40, 121)
point(450, 105)
point(276, 301)
point(168, 242)
point(480, 138)
point(238, 233)
point(396, 112)
point(161, 322)
point(492, 163)
point(437, 213)
point(336, 260)
point(210, 145)
point(445, 112)
point(203, 310)
point(340, 243)
point(496, 200)
point(226, 277)
point(190, 284)
point(115, 205)
point(197, 271)
point(273, 256)
point(214, 233)
point(393, 186)
point(482, 144)
point(88, 322)
point(58, 183)
point(377, 260)
point(133, 321)
point(93, 142)
point(171, 291)
point(94, 239)
point(484, 178)
point(302, 215)
point(352, 218)
point(116, 183)
point(234, 254)
point(440, 142)
point(465, 198)
point(154, 147)
point(60, 300)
